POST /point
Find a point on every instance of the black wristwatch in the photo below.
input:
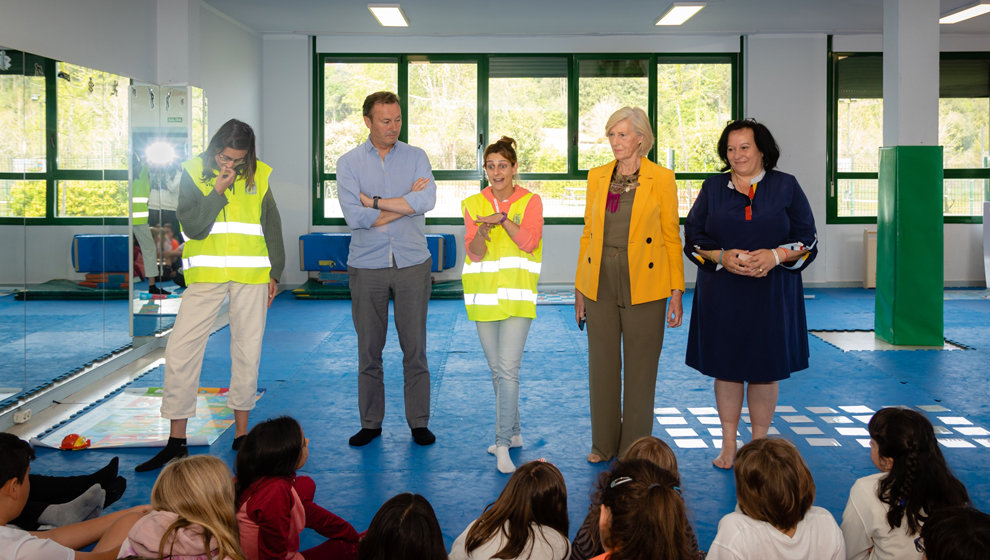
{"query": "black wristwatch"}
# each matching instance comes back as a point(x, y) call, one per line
point(375, 200)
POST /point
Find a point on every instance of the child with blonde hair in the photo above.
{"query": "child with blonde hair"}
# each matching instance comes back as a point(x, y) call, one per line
point(192, 517)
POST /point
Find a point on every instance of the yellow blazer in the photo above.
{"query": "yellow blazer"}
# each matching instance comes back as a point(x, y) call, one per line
point(655, 263)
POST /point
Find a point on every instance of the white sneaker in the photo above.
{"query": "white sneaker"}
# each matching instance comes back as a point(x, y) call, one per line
point(504, 463)
point(516, 441)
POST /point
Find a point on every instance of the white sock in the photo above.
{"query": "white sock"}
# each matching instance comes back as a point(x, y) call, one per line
point(505, 465)
point(516, 441)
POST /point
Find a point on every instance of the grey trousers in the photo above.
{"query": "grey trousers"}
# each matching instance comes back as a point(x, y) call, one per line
point(410, 288)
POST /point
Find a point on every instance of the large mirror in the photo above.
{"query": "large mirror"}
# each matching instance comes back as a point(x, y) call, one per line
point(168, 126)
point(65, 158)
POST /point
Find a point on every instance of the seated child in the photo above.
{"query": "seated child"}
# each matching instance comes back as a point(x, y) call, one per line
point(886, 510)
point(62, 500)
point(587, 543)
point(642, 514)
point(193, 517)
point(775, 517)
point(528, 520)
point(275, 505)
point(404, 528)
point(956, 533)
point(56, 544)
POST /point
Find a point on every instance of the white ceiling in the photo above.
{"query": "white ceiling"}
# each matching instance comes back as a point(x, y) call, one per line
point(572, 17)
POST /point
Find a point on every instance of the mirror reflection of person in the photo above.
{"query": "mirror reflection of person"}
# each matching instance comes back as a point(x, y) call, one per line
point(141, 190)
point(386, 187)
point(234, 247)
point(630, 280)
point(751, 232)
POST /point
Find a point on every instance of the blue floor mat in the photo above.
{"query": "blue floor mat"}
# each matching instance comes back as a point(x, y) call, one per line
point(309, 362)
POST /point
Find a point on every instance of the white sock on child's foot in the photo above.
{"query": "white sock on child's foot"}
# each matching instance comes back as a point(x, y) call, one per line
point(516, 441)
point(504, 463)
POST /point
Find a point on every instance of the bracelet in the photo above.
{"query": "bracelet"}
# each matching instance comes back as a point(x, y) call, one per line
point(720, 257)
point(776, 257)
point(375, 200)
point(504, 217)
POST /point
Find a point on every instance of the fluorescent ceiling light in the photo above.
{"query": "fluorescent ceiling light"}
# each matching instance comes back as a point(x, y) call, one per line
point(680, 12)
point(969, 11)
point(389, 15)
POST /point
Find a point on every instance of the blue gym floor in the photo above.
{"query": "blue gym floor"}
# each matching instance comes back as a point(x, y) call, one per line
point(308, 368)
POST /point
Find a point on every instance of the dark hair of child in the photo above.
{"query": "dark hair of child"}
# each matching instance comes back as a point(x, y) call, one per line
point(648, 516)
point(919, 479)
point(271, 448)
point(17, 456)
point(536, 494)
point(404, 528)
point(956, 533)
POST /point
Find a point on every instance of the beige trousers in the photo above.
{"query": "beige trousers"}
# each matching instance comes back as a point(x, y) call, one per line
point(201, 302)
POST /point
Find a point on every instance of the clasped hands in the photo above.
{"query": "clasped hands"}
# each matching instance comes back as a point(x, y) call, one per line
point(756, 263)
point(418, 185)
point(487, 223)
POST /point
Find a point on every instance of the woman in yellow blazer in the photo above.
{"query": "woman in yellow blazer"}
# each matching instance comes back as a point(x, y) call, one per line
point(629, 266)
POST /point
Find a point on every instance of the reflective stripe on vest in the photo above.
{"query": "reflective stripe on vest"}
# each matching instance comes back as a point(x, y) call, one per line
point(140, 191)
point(503, 283)
point(235, 249)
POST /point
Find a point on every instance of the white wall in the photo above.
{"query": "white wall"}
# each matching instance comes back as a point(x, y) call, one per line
point(112, 35)
point(230, 70)
point(287, 141)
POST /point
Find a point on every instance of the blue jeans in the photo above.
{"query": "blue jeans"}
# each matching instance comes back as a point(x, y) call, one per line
point(503, 342)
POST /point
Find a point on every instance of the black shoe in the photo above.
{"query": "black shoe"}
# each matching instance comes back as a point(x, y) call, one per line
point(114, 491)
point(423, 436)
point(238, 441)
point(175, 449)
point(364, 437)
point(158, 291)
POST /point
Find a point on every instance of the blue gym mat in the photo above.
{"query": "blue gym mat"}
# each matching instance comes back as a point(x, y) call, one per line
point(309, 362)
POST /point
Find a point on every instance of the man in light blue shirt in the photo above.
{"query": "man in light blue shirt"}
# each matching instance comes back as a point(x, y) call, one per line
point(385, 188)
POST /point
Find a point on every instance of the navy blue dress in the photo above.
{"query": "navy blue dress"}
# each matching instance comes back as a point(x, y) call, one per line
point(743, 328)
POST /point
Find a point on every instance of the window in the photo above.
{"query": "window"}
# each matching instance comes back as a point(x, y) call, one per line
point(554, 105)
point(694, 101)
point(65, 143)
point(857, 134)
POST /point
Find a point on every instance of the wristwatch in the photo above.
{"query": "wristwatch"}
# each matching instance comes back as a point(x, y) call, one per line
point(374, 203)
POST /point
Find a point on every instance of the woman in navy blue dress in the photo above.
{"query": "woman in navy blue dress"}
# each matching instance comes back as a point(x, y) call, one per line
point(750, 232)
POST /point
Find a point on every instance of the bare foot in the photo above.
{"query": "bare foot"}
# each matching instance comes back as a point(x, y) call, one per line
point(594, 458)
point(724, 460)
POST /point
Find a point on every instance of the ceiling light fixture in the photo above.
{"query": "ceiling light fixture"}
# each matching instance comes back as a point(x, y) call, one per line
point(680, 12)
point(389, 15)
point(968, 11)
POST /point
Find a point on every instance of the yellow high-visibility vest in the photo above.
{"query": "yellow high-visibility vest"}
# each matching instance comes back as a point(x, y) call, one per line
point(139, 197)
point(503, 283)
point(235, 249)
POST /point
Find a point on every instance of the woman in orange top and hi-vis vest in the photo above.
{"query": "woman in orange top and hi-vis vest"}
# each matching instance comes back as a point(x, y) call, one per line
point(504, 242)
point(233, 248)
point(630, 278)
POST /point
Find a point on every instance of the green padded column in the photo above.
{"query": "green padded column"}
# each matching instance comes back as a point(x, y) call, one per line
point(909, 246)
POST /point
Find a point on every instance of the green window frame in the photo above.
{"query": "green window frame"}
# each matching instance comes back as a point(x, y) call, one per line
point(74, 183)
point(504, 65)
point(859, 75)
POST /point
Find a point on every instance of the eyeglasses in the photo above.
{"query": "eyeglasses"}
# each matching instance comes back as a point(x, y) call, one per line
point(224, 159)
point(919, 545)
